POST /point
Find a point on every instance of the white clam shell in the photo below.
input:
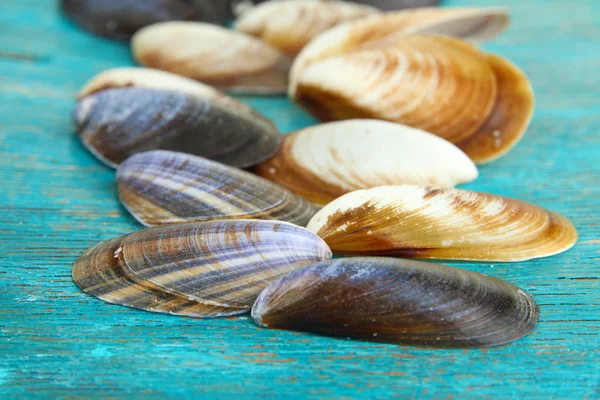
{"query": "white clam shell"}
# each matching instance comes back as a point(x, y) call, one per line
point(326, 161)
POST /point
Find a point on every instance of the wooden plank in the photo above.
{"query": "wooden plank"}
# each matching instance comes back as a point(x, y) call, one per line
point(56, 200)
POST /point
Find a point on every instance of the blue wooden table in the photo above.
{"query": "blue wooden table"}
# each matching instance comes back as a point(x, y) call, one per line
point(56, 200)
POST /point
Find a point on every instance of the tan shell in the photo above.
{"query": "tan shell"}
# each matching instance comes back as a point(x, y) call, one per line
point(324, 162)
point(440, 84)
point(290, 24)
point(473, 24)
point(214, 55)
point(452, 224)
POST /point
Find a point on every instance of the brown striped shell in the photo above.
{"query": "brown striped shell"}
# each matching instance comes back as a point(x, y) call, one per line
point(290, 24)
point(451, 224)
point(203, 270)
point(164, 187)
point(483, 104)
point(324, 162)
point(217, 56)
point(124, 111)
point(397, 301)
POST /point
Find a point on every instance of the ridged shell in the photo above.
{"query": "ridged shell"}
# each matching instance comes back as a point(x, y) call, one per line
point(398, 301)
point(290, 24)
point(217, 56)
point(451, 224)
point(324, 162)
point(483, 103)
point(205, 269)
point(163, 187)
point(120, 19)
point(130, 110)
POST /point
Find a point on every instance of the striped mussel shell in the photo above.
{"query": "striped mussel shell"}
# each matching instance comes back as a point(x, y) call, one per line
point(483, 105)
point(205, 270)
point(119, 19)
point(452, 224)
point(399, 302)
point(290, 24)
point(324, 162)
point(220, 57)
point(125, 111)
point(164, 187)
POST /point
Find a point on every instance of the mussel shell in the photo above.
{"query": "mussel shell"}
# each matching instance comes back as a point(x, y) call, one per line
point(483, 105)
point(183, 268)
point(102, 272)
point(452, 224)
point(290, 24)
point(162, 187)
point(214, 55)
point(116, 123)
point(324, 162)
point(120, 19)
point(397, 301)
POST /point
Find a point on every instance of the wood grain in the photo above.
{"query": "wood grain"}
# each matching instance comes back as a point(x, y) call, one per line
point(56, 200)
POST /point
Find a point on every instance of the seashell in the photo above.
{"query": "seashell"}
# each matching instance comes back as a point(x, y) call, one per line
point(217, 56)
point(390, 5)
point(324, 162)
point(290, 24)
point(205, 269)
point(130, 110)
point(120, 19)
point(164, 187)
point(451, 224)
point(397, 301)
point(483, 104)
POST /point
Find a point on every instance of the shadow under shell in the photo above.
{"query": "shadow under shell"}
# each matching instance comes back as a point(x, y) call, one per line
point(117, 123)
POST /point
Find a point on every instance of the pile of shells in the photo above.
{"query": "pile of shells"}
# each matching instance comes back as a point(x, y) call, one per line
point(409, 107)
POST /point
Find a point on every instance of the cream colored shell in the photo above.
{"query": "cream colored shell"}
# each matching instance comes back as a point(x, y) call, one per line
point(474, 24)
point(328, 160)
point(422, 222)
point(211, 54)
point(290, 24)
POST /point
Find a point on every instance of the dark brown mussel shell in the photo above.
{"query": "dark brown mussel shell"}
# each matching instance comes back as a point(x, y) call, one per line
point(120, 19)
point(163, 187)
point(397, 301)
point(116, 123)
point(205, 270)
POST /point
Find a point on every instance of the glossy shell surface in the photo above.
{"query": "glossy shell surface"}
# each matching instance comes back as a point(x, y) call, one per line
point(163, 187)
point(198, 269)
point(452, 224)
point(132, 110)
point(397, 301)
point(324, 162)
point(483, 104)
